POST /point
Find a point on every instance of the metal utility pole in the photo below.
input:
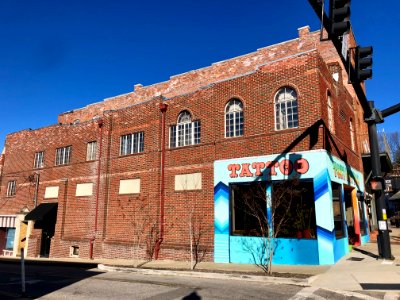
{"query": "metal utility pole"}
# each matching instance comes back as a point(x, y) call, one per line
point(377, 185)
point(336, 25)
point(377, 181)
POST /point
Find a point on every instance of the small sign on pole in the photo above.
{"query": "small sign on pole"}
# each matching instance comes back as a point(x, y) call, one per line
point(382, 225)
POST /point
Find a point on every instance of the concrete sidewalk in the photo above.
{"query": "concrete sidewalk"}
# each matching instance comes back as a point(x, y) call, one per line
point(362, 270)
point(358, 271)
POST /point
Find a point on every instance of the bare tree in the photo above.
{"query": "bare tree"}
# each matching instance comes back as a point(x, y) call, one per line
point(271, 224)
point(195, 223)
point(143, 226)
point(390, 143)
point(197, 229)
point(394, 143)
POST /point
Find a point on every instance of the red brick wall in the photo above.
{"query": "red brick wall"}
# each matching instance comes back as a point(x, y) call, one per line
point(253, 78)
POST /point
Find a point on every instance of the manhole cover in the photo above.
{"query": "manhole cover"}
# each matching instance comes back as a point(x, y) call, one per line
point(355, 258)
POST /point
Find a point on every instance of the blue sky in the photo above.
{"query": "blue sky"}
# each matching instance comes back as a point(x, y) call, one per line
point(56, 56)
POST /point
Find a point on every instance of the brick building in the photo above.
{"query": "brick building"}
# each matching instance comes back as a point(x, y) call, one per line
point(129, 176)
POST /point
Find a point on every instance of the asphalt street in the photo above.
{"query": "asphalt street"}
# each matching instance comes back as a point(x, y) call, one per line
point(52, 281)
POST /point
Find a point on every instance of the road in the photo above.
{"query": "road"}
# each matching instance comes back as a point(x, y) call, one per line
point(73, 282)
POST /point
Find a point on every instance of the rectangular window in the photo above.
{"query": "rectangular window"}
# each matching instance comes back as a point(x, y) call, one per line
point(11, 188)
point(185, 134)
point(10, 239)
point(132, 143)
point(74, 251)
point(172, 136)
point(39, 160)
point(293, 209)
point(91, 150)
point(63, 155)
point(249, 209)
point(196, 132)
point(338, 210)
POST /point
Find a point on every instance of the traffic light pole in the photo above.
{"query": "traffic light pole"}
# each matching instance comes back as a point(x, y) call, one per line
point(383, 231)
point(373, 115)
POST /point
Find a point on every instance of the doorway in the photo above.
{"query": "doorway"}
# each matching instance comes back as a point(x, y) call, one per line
point(352, 232)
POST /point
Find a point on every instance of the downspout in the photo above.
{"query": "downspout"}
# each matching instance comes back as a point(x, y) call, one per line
point(100, 124)
point(163, 109)
point(35, 196)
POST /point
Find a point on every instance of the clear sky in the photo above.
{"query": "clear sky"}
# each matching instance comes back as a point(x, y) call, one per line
point(56, 56)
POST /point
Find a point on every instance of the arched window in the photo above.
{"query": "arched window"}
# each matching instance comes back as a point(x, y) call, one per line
point(286, 114)
point(234, 118)
point(185, 132)
point(352, 135)
point(331, 124)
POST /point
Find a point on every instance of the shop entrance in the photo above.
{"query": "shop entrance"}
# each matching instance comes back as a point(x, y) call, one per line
point(45, 217)
point(352, 219)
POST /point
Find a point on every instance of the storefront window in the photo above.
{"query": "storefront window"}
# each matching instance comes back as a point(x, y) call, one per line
point(10, 239)
point(293, 209)
point(338, 210)
point(248, 209)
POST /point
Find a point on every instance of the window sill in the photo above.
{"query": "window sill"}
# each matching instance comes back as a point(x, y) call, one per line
point(132, 154)
point(185, 147)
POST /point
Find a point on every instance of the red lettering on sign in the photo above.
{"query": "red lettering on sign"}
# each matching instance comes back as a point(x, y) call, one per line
point(286, 167)
point(233, 168)
point(245, 171)
point(258, 166)
point(272, 165)
point(301, 166)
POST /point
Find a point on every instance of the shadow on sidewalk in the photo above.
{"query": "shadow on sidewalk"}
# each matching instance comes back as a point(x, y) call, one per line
point(373, 255)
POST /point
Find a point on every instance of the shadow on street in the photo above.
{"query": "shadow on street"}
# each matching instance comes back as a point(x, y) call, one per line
point(42, 277)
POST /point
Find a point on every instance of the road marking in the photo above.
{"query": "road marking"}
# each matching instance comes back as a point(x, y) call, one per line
point(391, 296)
point(307, 293)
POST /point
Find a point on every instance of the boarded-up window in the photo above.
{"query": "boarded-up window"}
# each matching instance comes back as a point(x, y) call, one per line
point(129, 186)
point(186, 182)
point(51, 192)
point(84, 189)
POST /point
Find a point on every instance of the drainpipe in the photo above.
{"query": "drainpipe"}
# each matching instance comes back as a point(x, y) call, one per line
point(100, 124)
point(163, 109)
point(35, 196)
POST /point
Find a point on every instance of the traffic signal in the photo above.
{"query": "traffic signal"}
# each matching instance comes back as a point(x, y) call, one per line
point(339, 17)
point(363, 63)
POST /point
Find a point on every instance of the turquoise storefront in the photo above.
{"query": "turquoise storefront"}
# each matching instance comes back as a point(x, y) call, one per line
point(337, 192)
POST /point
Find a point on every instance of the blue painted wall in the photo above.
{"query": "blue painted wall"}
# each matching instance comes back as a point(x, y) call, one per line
point(323, 168)
point(250, 250)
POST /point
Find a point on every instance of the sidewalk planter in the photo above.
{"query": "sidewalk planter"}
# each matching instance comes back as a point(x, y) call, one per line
point(337, 191)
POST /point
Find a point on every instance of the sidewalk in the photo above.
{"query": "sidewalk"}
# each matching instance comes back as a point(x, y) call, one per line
point(358, 271)
point(362, 270)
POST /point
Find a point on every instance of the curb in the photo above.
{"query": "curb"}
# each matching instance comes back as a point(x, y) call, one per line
point(209, 275)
